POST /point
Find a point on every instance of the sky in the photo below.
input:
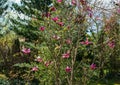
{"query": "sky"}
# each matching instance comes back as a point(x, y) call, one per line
point(16, 1)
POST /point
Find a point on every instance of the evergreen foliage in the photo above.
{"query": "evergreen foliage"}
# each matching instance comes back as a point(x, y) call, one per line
point(29, 14)
point(3, 6)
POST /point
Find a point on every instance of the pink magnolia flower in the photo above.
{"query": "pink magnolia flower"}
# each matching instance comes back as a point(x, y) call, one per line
point(118, 10)
point(60, 23)
point(26, 50)
point(86, 42)
point(73, 2)
point(59, 1)
point(89, 10)
point(52, 8)
point(68, 41)
point(68, 69)
point(66, 55)
point(55, 19)
point(83, 2)
point(42, 28)
point(35, 68)
point(47, 63)
point(90, 14)
point(56, 37)
point(111, 44)
point(93, 66)
point(39, 59)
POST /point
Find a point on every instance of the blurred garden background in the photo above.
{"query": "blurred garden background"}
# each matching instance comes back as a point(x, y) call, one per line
point(59, 42)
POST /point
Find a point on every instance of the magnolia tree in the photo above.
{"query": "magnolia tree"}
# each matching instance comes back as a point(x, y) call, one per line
point(68, 54)
point(63, 32)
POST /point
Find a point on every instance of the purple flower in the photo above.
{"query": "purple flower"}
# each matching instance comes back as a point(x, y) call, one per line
point(26, 50)
point(59, 1)
point(86, 42)
point(111, 44)
point(93, 66)
point(47, 63)
point(56, 37)
point(39, 59)
point(66, 55)
point(42, 28)
point(55, 19)
point(90, 14)
point(83, 2)
point(73, 2)
point(89, 10)
point(60, 23)
point(52, 8)
point(118, 10)
point(35, 68)
point(68, 69)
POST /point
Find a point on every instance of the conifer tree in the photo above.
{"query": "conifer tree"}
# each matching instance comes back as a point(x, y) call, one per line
point(3, 6)
point(29, 15)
